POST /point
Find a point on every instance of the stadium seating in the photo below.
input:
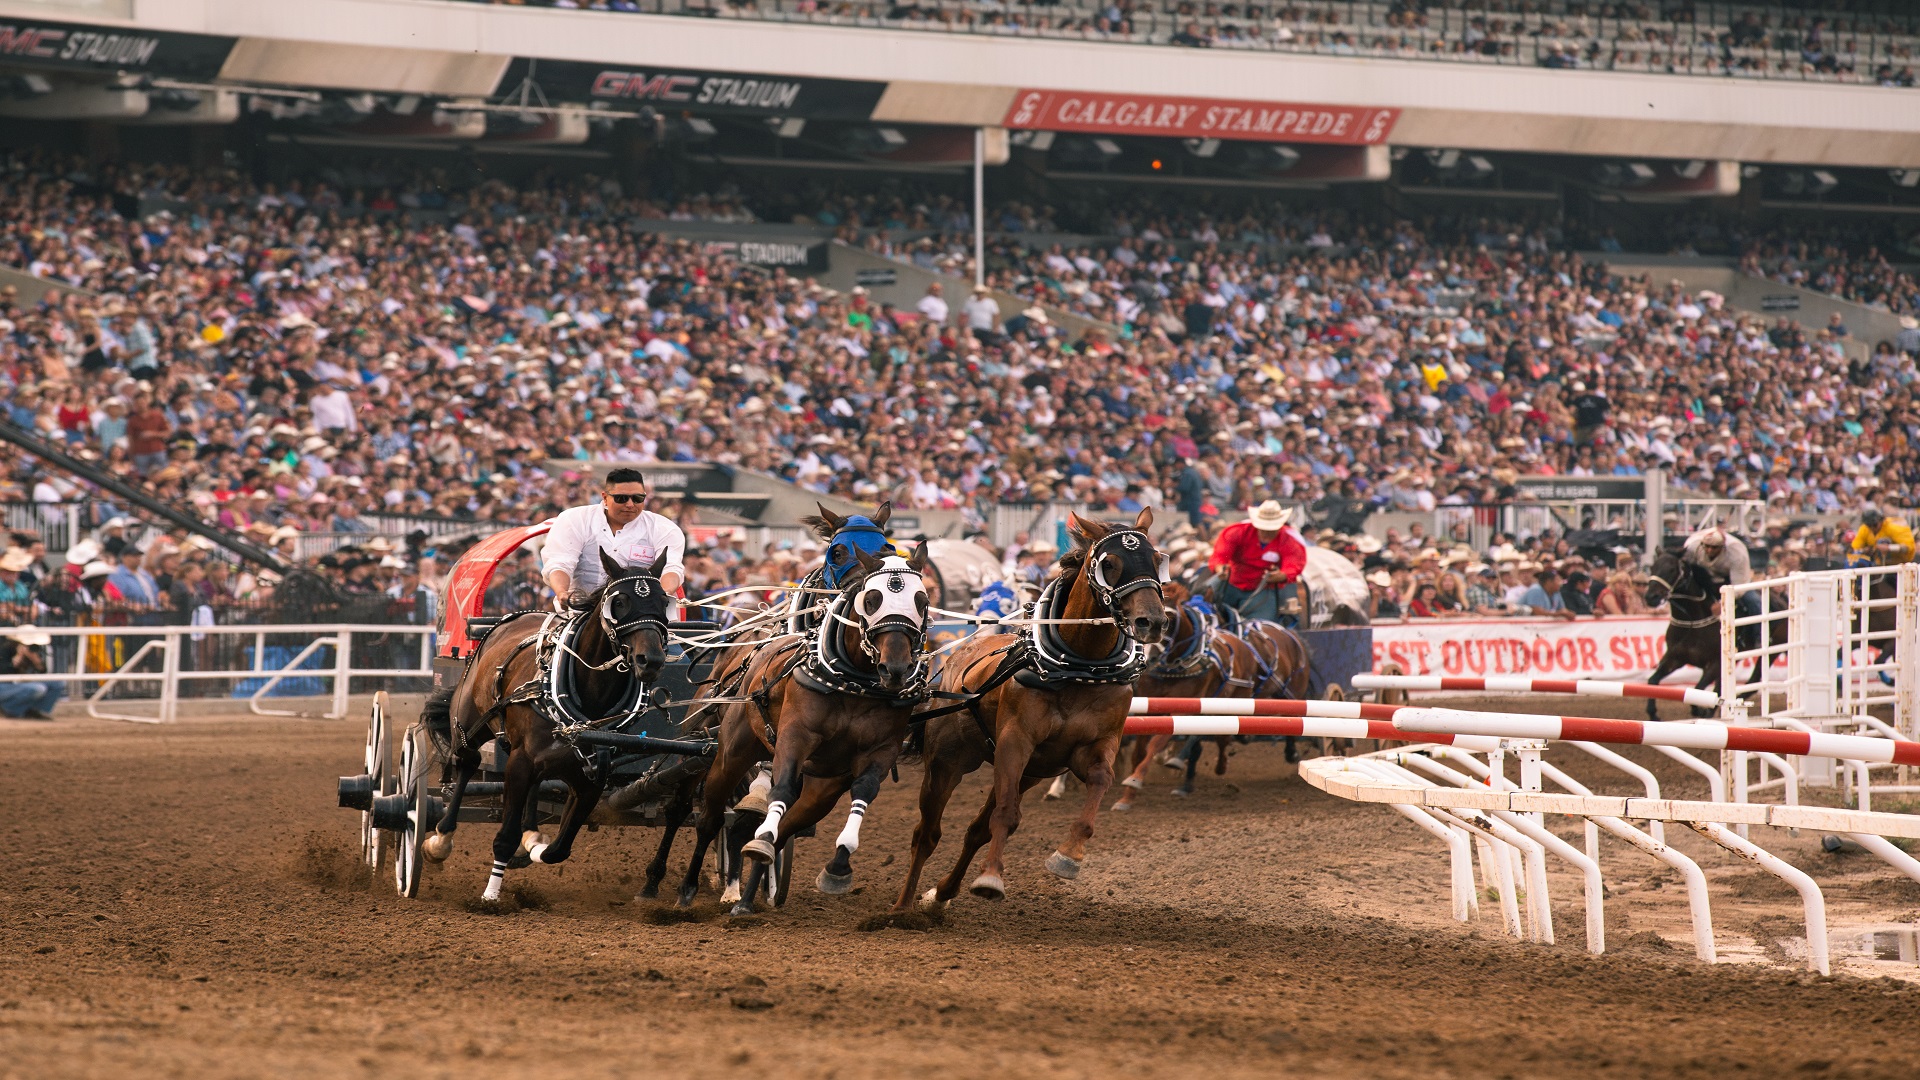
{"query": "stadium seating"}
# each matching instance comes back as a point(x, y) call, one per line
point(1744, 41)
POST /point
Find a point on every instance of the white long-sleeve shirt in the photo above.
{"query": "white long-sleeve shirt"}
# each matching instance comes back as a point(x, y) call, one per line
point(580, 534)
point(1732, 564)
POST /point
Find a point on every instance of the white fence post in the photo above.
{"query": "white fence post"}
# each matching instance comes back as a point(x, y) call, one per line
point(342, 672)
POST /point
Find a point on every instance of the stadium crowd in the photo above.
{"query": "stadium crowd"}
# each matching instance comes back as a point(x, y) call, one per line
point(1829, 44)
point(303, 359)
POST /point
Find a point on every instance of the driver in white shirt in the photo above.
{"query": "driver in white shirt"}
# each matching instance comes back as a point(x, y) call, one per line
point(620, 525)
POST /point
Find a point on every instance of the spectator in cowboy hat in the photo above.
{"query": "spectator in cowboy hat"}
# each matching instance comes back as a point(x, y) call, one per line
point(22, 652)
point(16, 593)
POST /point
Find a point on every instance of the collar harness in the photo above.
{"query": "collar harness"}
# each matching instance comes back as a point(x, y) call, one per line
point(1050, 661)
point(554, 691)
point(1198, 654)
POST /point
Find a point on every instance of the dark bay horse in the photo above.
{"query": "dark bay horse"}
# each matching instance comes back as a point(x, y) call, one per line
point(1286, 666)
point(1693, 627)
point(620, 635)
point(1200, 660)
point(1064, 710)
point(830, 709)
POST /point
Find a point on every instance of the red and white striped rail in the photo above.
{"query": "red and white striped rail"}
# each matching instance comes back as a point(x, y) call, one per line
point(1354, 720)
point(1319, 727)
point(1659, 733)
point(1520, 684)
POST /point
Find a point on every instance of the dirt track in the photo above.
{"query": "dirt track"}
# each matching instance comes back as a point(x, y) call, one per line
point(185, 902)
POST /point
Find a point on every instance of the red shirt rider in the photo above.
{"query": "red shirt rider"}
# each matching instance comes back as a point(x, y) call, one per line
point(1259, 550)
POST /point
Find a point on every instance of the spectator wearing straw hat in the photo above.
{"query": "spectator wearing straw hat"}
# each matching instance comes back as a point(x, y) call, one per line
point(16, 591)
point(1260, 560)
point(21, 654)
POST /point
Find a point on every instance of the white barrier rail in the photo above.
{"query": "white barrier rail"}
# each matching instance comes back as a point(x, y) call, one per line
point(165, 657)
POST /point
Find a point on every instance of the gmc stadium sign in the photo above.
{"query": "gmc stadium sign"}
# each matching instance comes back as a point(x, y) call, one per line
point(632, 88)
point(98, 48)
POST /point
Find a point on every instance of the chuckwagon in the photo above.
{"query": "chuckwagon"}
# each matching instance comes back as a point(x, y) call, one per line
point(408, 776)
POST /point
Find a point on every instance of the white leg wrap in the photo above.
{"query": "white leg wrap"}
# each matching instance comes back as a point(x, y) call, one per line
point(493, 881)
point(732, 893)
point(850, 836)
point(1058, 788)
point(537, 852)
point(770, 828)
point(762, 784)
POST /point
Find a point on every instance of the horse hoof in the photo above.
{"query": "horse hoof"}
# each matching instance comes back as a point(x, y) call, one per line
point(731, 894)
point(833, 884)
point(1122, 807)
point(650, 891)
point(1048, 796)
point(685, 899)
point(1133, 782)
point(989, 887)
point(1061, 866)
point(437, 847)
point(744, 907)
point(1182, 792)
point(759, 849)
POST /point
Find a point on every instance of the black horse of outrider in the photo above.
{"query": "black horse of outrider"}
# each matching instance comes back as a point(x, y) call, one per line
point(1693, 628)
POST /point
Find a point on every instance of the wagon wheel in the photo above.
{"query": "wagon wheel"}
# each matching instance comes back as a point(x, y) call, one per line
point(423, 810)
point(375, 844)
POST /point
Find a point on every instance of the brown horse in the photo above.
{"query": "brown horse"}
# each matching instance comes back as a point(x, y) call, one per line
point(1285, 664)
point(1063, 710)
point(1200, 660)
point(830, 709)
point(621, 636)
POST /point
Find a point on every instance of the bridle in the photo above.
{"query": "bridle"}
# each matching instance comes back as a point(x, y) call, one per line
point(644, 587)
point(899, 594)
point(1126, 545)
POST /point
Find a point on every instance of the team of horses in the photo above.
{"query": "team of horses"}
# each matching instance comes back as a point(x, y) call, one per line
point(804, 712)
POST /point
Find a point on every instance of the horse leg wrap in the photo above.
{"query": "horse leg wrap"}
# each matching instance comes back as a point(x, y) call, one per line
point(755, 800)
point(850, 835)
point(530, 840)
point(770, 828)
point(493, 881)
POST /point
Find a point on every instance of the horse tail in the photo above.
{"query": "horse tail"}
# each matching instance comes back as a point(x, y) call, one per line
point(437, 715)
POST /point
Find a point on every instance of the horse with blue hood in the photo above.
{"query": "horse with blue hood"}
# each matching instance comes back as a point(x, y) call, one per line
point(843, 536)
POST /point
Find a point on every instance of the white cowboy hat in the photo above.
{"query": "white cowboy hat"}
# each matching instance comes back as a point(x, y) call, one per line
point(27, 635)
point(83, 552)
point(16, 559)
point(96, 568)
point(1268, 516)
point(1367, 545)
point(1380, 578)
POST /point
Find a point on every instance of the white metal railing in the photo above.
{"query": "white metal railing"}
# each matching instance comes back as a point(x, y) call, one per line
point(1819, 657)
point(168, 662)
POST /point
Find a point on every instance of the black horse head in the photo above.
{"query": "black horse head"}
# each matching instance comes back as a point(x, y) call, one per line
point(1678, 583)
point(632, 608)
point(890, 604)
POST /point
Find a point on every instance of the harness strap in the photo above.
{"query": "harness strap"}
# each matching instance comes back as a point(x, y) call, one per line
point(1014, 658)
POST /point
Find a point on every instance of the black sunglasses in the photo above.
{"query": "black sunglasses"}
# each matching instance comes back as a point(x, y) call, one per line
point(640, 498)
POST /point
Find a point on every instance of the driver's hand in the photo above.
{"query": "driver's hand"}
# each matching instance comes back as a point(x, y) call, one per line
point(577, 599)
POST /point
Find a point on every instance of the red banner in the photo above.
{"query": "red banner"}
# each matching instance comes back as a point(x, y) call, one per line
point(1201, 118)
point(1620, 647)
